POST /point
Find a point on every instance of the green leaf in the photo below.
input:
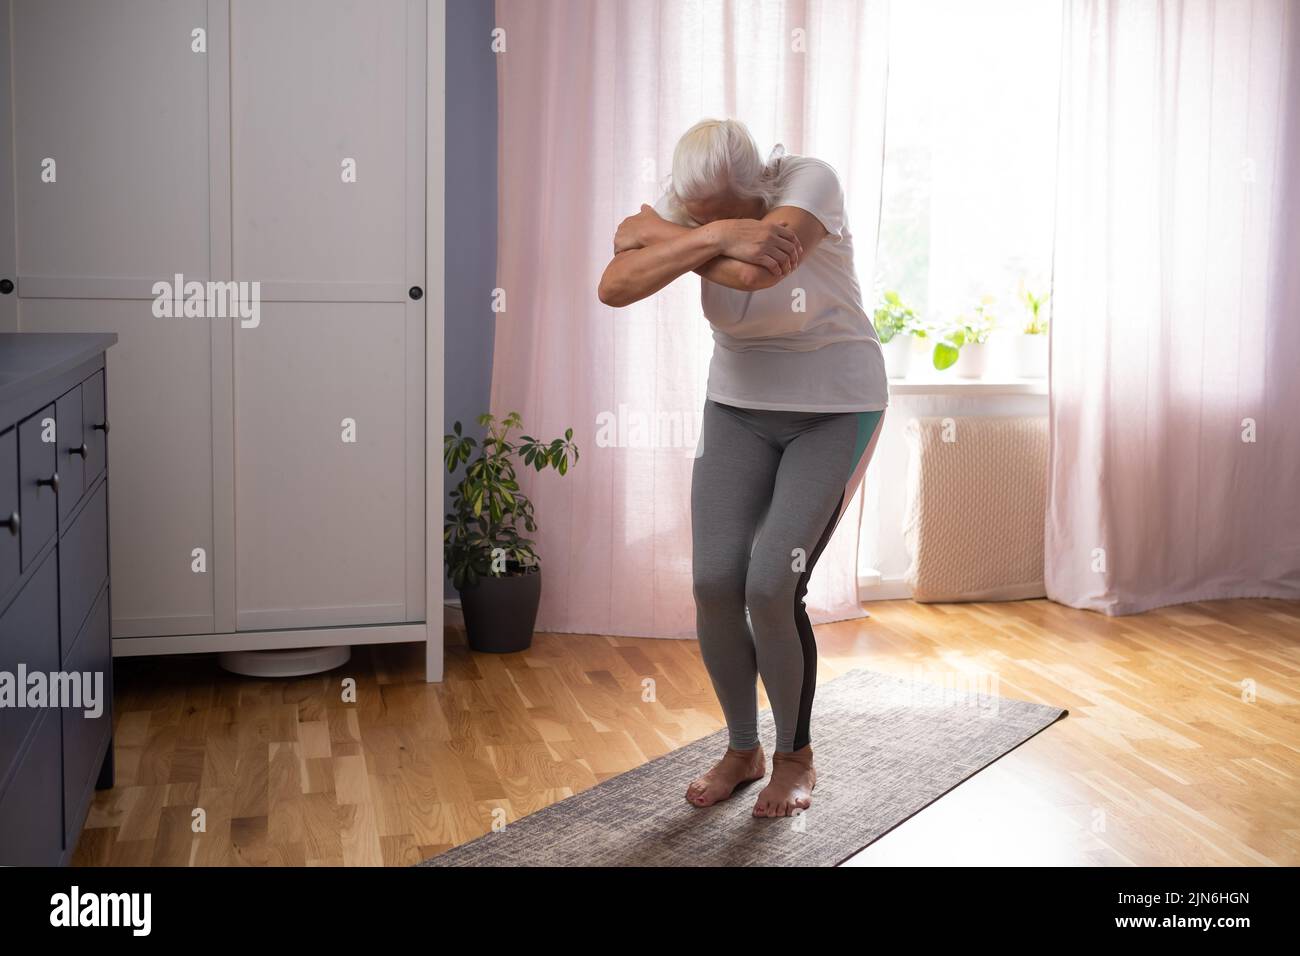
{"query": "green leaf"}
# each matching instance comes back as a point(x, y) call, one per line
point(487, 508)
point(944, 355)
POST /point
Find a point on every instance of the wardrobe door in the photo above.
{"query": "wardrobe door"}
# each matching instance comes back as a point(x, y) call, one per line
point(111, 136)
point(327, 154)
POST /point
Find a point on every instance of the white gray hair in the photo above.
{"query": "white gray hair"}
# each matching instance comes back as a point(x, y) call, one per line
point(716, 158)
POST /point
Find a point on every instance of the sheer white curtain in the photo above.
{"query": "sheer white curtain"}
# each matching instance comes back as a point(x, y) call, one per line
point(592, 97)
point(1175, 369)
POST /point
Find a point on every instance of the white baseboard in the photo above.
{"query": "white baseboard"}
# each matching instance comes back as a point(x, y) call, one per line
point(875, 587)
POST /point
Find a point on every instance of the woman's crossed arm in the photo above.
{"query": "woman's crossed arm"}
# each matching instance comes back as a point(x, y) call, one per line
point(745, 254)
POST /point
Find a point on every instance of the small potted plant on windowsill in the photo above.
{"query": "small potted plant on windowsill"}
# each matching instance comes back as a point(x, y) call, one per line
point(898, 329)
point(1031, 345)
point(967, 339)
point(492, 565)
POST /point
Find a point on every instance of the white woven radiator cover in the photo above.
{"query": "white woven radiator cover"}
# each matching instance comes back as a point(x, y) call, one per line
point(975, 508)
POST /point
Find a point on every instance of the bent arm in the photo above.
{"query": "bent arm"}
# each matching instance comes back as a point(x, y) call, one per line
point(634, 274)
point(722, 269)
point(736, 273)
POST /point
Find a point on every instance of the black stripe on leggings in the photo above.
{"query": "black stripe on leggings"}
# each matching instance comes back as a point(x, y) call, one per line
point(808, 643)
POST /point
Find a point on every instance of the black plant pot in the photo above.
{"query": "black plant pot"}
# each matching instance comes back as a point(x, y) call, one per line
point(500, 612)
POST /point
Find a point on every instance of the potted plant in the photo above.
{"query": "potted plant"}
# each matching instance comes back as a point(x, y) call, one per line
point(897, 328)
point(967, 339)
point(492, 565)
point(1031, 345)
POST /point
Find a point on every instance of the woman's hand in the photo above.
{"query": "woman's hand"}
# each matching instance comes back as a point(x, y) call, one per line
point(635, 232)
point(768, 244)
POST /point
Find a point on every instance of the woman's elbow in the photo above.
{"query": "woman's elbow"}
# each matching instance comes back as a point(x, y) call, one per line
point(613, 290)
point(610, 294)
point(755, 278)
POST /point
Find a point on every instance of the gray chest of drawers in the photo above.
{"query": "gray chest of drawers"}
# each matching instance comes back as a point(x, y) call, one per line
point(56, 668)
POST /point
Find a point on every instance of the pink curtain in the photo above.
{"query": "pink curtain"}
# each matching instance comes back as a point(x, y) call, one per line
point(1175, 369)
point(592, 97)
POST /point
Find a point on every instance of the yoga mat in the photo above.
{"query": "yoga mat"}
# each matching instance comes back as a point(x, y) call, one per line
point(886, 747)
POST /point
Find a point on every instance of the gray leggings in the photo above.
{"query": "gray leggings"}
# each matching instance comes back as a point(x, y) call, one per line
point(767, 490)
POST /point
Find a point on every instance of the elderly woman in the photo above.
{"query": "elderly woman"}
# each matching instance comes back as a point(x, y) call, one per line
point(796, 393)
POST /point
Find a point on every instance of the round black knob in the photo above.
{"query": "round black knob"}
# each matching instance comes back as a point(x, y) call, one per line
point(6, 286)
point(78, 451)
point(12, 523)
point(101, 427)
point(416, 292)
point(52, 481)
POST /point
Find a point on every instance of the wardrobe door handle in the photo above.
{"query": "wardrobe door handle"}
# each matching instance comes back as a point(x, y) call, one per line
point(12, 523)
point(78, 451)
point(52, 481)
point(101, 427)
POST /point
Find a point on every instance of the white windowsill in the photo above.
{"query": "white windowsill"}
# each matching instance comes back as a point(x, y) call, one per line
point(968, 386)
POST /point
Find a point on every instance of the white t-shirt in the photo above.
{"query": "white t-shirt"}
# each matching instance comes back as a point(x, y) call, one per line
point(824, 358)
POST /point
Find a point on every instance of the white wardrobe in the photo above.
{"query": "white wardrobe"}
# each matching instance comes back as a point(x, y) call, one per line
point(270, 480)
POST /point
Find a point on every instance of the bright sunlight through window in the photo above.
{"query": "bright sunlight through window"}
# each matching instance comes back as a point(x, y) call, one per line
point(970, 159)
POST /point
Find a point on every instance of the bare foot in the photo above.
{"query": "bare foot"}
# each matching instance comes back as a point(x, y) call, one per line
point(735, 768)
point(790, 789)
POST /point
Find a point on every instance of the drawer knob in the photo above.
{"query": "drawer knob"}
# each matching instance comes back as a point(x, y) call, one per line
point(12, 523)
point(101, 427)
point(78, 451)
point(52, 481)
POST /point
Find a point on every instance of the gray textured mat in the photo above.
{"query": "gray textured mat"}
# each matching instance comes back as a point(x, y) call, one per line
point(886, 747)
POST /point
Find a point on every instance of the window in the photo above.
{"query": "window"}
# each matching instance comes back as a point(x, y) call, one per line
point(970, 157)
